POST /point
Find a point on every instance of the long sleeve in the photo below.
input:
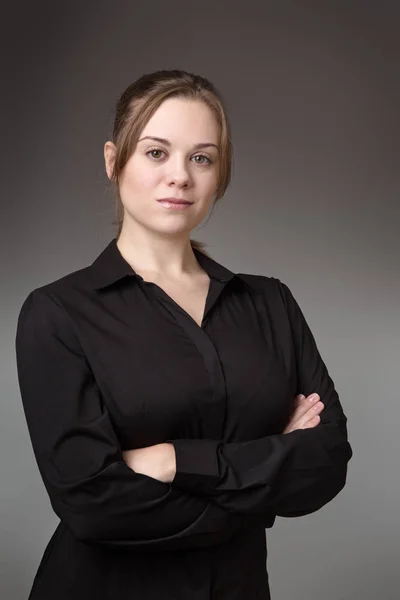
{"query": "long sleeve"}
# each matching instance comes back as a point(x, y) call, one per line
point(287, 474)
point(91, 488)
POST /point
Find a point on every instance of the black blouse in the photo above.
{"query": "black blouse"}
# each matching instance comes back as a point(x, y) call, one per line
point(109, 362)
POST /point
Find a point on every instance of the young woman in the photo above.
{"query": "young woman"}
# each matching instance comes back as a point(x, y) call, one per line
point(162, 390)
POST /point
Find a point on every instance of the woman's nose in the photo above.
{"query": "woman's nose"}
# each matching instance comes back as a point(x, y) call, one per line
point(178, 173)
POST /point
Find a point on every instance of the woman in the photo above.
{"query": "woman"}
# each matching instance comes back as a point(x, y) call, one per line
point(162, 390)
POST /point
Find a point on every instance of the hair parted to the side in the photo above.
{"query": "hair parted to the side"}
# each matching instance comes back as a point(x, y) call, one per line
point(136, 106)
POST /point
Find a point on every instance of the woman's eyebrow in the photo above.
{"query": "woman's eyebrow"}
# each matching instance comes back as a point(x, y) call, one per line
point(168, 143)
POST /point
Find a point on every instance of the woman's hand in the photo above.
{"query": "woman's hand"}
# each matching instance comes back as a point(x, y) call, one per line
point(305, 414)
point(158, 461)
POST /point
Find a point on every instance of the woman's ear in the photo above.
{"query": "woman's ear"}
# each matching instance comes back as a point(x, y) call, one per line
point(109, 157)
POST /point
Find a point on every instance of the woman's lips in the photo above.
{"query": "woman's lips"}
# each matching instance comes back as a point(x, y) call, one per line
point(176, 204)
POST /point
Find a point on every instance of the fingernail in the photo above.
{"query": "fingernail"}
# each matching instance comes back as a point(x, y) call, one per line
point(313, 397)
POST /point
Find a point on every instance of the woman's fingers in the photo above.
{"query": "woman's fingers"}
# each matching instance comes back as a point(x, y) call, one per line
point(306, 413)
point(311, 415)
point(312, 422)
point(304, 405)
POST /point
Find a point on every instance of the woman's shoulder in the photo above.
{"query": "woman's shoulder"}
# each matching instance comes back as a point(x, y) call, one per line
point(261, 283)
point(273, 290)
point(58, 291)
point(72, 279)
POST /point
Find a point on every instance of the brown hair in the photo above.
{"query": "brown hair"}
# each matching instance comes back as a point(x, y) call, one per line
point(139, 102)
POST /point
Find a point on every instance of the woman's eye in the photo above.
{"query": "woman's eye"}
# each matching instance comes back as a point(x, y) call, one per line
point(152, 151)
point(208, 160)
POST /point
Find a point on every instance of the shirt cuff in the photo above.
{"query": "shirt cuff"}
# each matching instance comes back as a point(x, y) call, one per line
point(196, 465)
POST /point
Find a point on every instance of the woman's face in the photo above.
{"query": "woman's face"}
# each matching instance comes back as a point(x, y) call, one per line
point(172, 166)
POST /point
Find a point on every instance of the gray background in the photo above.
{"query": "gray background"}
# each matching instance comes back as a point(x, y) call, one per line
point(312, 90)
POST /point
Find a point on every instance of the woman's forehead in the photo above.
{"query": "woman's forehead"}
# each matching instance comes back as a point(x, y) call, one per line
point(184, 118)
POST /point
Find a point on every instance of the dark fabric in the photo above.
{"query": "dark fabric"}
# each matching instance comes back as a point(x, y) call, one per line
point(109, 362)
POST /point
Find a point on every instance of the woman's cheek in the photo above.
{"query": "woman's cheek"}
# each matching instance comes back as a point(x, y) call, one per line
point(146, 179)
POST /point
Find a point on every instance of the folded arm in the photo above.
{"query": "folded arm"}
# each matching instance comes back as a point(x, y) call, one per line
point(90, 486)
point(289, 474)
